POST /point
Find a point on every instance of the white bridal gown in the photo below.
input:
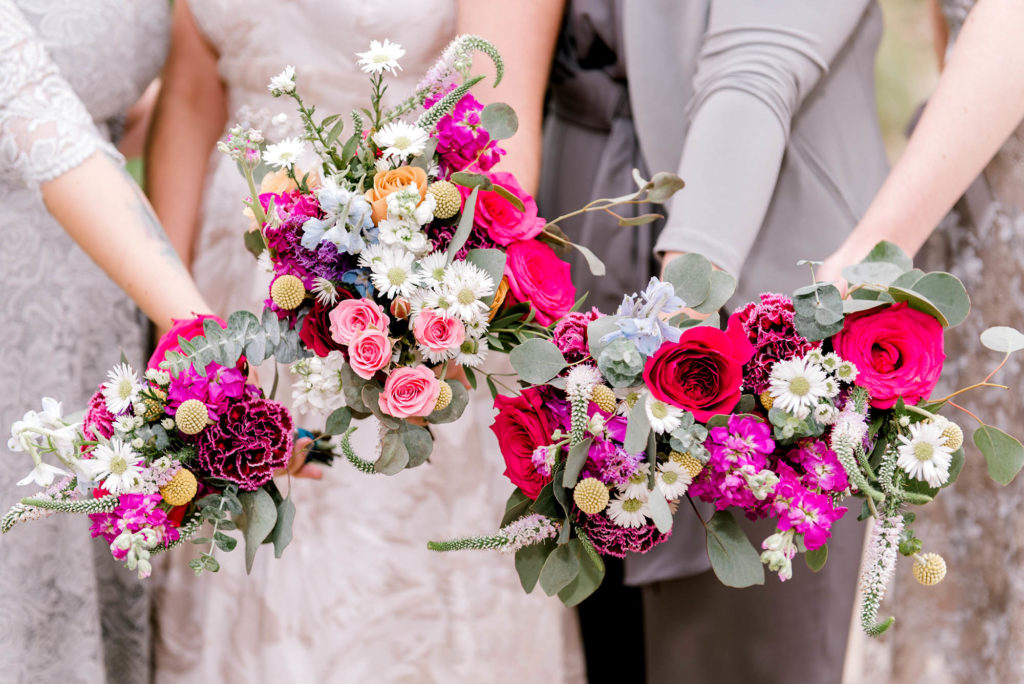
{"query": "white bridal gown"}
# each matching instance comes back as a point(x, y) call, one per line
point(356, 597)
point(68, 70)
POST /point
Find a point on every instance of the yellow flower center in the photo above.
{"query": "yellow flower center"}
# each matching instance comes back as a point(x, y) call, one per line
point(632, 505)
point(118, 465)
point(396, 276)
point(466, 296)
point(669, 477)
point(659, 410)
point(637, 478)
point(124, 388)
point(799, 386)
point(923, 451)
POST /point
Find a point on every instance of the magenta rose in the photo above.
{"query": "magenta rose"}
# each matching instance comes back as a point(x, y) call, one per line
point(536, 275)
point(504, 221)
point(354, 316)
point(369, 353)
point(410, 391)
point(523, 424)
point(188, 329)
point(437, 332)
point(897, 350)
point(315, 332)
point(703, 371)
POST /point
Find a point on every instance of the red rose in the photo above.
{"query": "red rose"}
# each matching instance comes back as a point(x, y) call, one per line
point(315, 332)
point(897, 351)
point(188, 328)
point(703, 371)
point(522, 425)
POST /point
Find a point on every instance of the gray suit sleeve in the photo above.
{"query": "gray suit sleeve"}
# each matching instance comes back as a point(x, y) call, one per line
point(758, 63)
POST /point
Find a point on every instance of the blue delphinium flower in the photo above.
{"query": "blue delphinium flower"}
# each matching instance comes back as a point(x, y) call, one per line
point(348, 224)
point(640, 317)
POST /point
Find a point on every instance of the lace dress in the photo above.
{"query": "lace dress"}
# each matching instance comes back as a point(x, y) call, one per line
point(68, 69)
point(970, 627)
point(357, 597)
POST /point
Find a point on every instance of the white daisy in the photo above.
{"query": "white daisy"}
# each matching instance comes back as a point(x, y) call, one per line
point(831, 387)
point(124, 424)
point(814, 356)
point(468, 285)
point(472, 352)
point(392, 272)
point(846, 371)
point(476, 327)
point(121, 389)
point(284, 154)
point(662, 416)
point(796, 386)
point(672, 480)
point(116, 467)
point(158, 376)
point(628, 511)
point(432, 268)
point(325, 291)
point(381, 57)
point(404, 234)
point(825, 414)
point(264, 262)
point(399, 140)
point(636, 485)
point(830, 361)
point(167, 423)
point(283, 83)
point(924, 455)
point(42, 475)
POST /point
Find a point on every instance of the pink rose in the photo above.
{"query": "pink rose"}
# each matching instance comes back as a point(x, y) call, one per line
point(437, 332)
point(369, 352)
point(536, 275)
point(410, 391)
point(354, 316)
point(897, 350)
point(504, 222)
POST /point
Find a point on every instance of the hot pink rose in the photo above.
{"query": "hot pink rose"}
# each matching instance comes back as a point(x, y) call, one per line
point(536, 275)
point(897, 350)
point(188, 328)
point(504, 222)
point(437, 332)
point(369, 352)
point(354, 316)
point(523, 424)
point(410, 391)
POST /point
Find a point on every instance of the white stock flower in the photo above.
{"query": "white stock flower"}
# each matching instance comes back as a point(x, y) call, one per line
point(284, 154)
point(381, 57)
point(404, 234)
point(42, 475)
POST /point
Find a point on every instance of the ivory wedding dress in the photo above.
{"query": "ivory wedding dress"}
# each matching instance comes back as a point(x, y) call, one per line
point(68, 71)
point(356, 597)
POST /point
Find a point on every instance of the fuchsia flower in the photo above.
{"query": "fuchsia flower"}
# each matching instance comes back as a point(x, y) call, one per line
point(809, 513)
point(822, 469)
point(768, 325)
point(247, 444)
point(737, 453)
point(570, 334)
point(502, 220)
point(536, 275)
point(133, 513)
point(218, 389)
point(461, 140)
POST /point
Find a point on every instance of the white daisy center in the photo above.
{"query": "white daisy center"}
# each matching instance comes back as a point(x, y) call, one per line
point(118, 465)
point(438, 274)
point(402, 141)
point(466, 296)
point(799, 386)
point(669, 477)
point(124, 388)
point(659, 410)
point(637, 478)
point(923, 451)
point(632, 505)
point(396, 275)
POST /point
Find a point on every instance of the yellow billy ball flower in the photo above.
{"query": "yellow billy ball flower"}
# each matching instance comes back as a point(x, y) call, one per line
point(448, 199)
point(767, 400)
point(688, 462)
point(605, 399)
point(929, 568)
point(192, 416)
point(590, 495)
point(953, 435)
point(444, 398)
point(181, 489)
point(287, 292)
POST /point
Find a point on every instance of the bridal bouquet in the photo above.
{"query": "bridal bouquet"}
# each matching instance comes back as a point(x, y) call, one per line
point(155, 457)
point(798, 405)
point(405, 251)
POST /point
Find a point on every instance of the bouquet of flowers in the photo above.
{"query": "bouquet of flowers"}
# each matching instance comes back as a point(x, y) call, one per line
point(799, 404)
point(405, 251)
point(155, 457)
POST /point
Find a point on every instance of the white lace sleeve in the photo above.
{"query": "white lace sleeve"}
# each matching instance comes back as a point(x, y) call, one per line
point(45, 129)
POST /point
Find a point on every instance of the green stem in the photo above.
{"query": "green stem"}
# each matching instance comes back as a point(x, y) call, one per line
point(346, 448)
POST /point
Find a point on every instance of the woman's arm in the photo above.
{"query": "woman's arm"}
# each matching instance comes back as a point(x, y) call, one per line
point(524, 31)
point(977, 104)
point(189, 118)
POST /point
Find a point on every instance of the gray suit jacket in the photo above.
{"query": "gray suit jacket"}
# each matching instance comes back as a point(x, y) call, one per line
point(811, 62)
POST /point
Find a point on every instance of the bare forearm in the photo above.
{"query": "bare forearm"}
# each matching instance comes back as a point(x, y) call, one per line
point(979, 101)
point(525, 32)
point(105, 212)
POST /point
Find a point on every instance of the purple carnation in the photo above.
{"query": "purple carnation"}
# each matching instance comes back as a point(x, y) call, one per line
point(570, 335)
point(768, 325)
point(249, 442)
point(611, 540)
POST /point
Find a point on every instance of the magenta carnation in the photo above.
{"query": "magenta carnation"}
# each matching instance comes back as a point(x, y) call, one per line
point(570, 335)
point(251, 440)
point(768, 324)
point(98, 422)
point(611, 540)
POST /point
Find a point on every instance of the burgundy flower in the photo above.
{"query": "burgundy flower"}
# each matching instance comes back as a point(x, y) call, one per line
point(251, 440)
point(768, 325)
point(315, 332)
point(570, 335)
point(611, 540)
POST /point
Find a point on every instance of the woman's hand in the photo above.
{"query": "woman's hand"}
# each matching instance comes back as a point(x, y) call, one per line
point(297, 466)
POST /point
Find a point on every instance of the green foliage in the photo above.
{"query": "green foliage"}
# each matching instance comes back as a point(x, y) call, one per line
point(281, 536)
point(560, 568)
point(733, 558)
point(1003, 454)
point(594, 262)
point(638, 427)
point(465, 226)
point(816, 559)
point(499, 120)
point(575, 462)
point(660, 512)
point(516, 507)
point(1003, 339)
point(537, 361)
point(394, 457)
point(259, 516)
point(940, 294)
point(690, 275)
point(454, 410)
point(587, 579)
point(418, 443)
point(492, 262)
point(596, 332)
point(530, 560)
point(621, 363)
point(818, 311)
point(339, 421)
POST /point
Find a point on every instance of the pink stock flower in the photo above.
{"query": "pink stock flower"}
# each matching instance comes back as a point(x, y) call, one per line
point(369, 352)
point(133, 513)
point(217, 389)
point(809, 513)
point(536, 275)
point(437, 332)
point(354, 316)
point(410, 391)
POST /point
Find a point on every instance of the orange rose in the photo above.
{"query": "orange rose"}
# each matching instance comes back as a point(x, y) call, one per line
point(387, 182)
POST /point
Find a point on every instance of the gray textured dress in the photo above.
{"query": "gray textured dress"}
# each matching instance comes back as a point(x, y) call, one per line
point(69, 613)
point(722, 90)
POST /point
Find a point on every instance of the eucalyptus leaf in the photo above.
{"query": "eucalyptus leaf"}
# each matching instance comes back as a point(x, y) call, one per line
point(918, 302)
point(338, 421)
point(660, 512)
point(1003, 453)
point(816, 559)
point(260, 517)
point(946, 292)
point(889, 252)
point(499, 120)
point(516, 507)
point(638, 427)
point(560, 568)
point(690, 275)
point(468, 179)
point(875, 272)
point(594, 262)
point(723, 286)
point(424, 158)
point(641, 220)
point(418, 443)
point(530, 561)
point(465, 226)
point(509, 196)
point(855, 305)
point(352, 387)
point(733, 558)
point(254, 242)
point(1003, 339)
point(575, 462)
point(225, 542)
point(662, 186)
point(492, 262)
point(909, 278)
point(371, 399)
point(282, 534)
point(587, 580)
point(457, 406)
point(393, 454)
point(545, 503)
point(537, 361)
